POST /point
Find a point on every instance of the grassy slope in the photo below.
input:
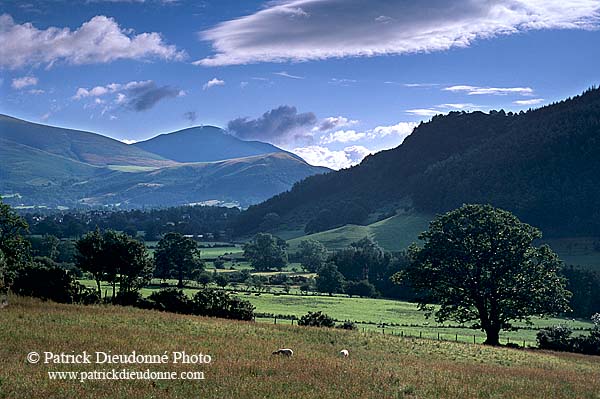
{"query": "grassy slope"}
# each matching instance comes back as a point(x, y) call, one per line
point(398, 232)
point(393, 234)
point(378, 366)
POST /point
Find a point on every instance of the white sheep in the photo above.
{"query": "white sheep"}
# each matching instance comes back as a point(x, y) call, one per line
point(344, 353)
point(285, 352)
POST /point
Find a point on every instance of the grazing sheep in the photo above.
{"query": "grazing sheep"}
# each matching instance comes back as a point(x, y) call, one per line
point(285, 352)
point(344, 353)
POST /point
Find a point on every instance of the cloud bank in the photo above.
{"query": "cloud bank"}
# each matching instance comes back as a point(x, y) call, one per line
point(300, 30)
point(136, 96)
point(323, 156)
point(282, 125)
point(99, 40)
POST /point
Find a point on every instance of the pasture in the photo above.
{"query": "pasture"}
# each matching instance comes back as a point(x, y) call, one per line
point(379, 366)
point(376, 315)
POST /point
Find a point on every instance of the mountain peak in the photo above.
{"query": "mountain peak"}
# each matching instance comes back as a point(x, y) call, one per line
point(204, 144)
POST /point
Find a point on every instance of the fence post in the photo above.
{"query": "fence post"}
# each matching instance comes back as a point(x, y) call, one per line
point(473, 338)
point(523, 344)
point(456, 337)
point(420, 334)
point(438, 336)
point(275, 320)
point(402, 333)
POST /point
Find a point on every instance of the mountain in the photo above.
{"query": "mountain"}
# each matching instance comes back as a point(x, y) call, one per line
point(204, 144)
point(90, 148)
point(48, 166)
point(543, 165)
point(242, 181)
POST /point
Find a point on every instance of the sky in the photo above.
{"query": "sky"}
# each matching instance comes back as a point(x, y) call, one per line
point(330, 80)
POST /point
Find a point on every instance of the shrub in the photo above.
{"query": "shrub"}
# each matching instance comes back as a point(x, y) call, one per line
point(171, 300)
point(556, 338)
point(347, 325)
point(316, 319)
point(52, 283)
point(214, 303)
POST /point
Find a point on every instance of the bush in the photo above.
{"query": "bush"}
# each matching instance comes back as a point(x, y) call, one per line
point(216, 303)
point(128, 298)
point(361, 288)
point(316, 319)
point(347, 325)
point(559, 338)
point(171, 300)
point(556, 338)
point(52, 283)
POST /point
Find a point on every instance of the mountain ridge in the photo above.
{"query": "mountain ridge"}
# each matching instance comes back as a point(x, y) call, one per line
point(203, 144)
point(542, 164)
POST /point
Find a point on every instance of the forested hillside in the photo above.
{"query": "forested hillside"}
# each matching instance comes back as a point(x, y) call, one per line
point(543, 165)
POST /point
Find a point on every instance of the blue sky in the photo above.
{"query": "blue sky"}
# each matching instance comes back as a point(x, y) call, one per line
point(331, 80)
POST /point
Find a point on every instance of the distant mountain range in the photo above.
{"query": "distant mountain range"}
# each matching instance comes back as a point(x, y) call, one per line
point(204, 144)
point(543, 165)
point(49, 166)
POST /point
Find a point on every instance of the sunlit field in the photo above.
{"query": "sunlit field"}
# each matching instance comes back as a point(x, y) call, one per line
point(379, 366)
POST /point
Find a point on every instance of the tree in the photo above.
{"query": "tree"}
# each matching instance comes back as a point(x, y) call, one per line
point(312, 254)
point(177, 254)
point(329, 280)
point(478, 263)
point(266, 252)
point(115, 258)
point(89, 256)
point(134, 265)
point(361, 288)
point(46, 246)
point(15, 248)
point(204, 278)
point(221, 280)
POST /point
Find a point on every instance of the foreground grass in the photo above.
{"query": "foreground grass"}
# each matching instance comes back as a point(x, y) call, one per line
point(378, 367)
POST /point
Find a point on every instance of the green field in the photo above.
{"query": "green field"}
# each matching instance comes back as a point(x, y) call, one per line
point(379, 366)
point(381, 315)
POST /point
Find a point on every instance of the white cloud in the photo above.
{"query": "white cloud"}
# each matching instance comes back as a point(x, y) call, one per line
point(533, 101)
point(322, 156)
point(333, 122)
point(25, 81)
point(402, 129)
point(243, 84)
point(46, 116)
point(475, 90)
point(287, 75)
point(127, 141)
point(300, 30)
point(99, 40)
point(135, 95)
point(96, 91)
point(419, 84)
point(423, 111)
point(342, 136)
point(460, 106)
point(36, 91)
point(213, 82)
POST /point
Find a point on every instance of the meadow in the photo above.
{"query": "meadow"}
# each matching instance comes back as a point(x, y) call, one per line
point(379, 366)
point(381, 316)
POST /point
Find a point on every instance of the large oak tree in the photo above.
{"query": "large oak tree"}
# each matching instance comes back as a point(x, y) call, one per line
point(478, 264)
